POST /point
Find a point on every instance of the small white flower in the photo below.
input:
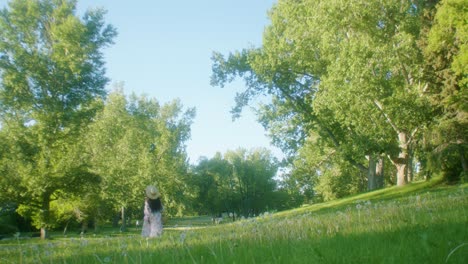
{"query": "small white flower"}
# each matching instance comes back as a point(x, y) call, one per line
point(358, 206)
point(84, 242)
point(182, 237)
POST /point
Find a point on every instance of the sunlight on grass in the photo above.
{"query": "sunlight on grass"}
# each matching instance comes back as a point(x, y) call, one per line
point(414, 224)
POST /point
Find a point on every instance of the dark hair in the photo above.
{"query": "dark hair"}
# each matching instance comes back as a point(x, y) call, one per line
point(155, 204)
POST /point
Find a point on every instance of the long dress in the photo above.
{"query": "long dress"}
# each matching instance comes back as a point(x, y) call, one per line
point(152, 221)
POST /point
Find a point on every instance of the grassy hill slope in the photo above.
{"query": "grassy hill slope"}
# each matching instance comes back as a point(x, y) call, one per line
point(425, 222)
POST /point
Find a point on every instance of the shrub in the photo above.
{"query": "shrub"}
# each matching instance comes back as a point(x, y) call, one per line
point(6, 229)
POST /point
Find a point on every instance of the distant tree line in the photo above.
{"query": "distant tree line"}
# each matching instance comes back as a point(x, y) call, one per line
point(242, 183)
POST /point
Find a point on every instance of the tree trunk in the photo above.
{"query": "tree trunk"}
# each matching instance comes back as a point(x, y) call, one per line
point(379, 173)
point(401, 163)
point(65, 229)
point(123, 228)
point(115, 220)
point(371, 174)
point(410, 166)
point(96, 227)
point(45, 215)
point(462, 158)
point(84, 226)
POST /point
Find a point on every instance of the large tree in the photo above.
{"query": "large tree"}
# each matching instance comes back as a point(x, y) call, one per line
point(375, 81)
point(348, 71)
point(51, 71)
point(135, 142)
point(446, 52)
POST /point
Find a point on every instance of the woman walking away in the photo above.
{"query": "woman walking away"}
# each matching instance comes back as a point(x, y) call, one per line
point(152, 222)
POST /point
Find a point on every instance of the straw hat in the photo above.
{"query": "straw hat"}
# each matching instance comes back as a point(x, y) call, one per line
point(152, 192)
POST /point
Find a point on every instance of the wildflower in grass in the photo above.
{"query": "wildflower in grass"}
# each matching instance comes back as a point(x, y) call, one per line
point(84, 243)
point(34, 248)
point(183, 235)
point(123, 246)
point(107, 259)
point(358, 206)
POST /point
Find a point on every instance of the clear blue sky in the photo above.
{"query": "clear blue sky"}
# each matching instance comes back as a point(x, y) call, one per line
point(163, 50)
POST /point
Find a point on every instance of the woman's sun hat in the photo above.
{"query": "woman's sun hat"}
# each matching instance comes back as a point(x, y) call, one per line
point(152, 192)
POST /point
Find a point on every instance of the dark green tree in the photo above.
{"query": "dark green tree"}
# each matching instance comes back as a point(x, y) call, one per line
point(240, 182)
point(446, 53)
point(215, 186)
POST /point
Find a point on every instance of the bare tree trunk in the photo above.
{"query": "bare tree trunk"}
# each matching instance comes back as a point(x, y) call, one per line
point(402, 160)
point(462, 158)
point(66, 228)
point(96, 227)
point(410, 166)
point(371, 174)
point(84, 226)
point(379, 173)
point(115, 220)
point(45, 215)
point(124, 220)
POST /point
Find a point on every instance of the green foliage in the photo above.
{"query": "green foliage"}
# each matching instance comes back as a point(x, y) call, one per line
point(214, 183)
point(51, 71)
point(241, 182)
point(354, 74)
point(135, 142)
point(446, 52)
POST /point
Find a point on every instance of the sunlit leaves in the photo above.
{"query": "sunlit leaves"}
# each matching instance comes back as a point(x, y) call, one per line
point(51, 72)
point(134, 142)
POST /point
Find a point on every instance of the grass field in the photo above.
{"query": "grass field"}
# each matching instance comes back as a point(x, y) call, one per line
point(424, 222)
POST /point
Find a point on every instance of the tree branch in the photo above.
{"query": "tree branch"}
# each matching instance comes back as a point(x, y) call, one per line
point(389, 120)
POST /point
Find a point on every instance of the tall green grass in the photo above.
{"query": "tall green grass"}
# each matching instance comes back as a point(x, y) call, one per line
point(421, 223)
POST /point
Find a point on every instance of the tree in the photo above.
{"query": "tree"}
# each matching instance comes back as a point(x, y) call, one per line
point(375, 82)
point(322, 174)
point(135, 142)
point(215, 186)
point(51, 70)
point(252, 175)
point(446, 54)
point(348, 71)
point(239, 182)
